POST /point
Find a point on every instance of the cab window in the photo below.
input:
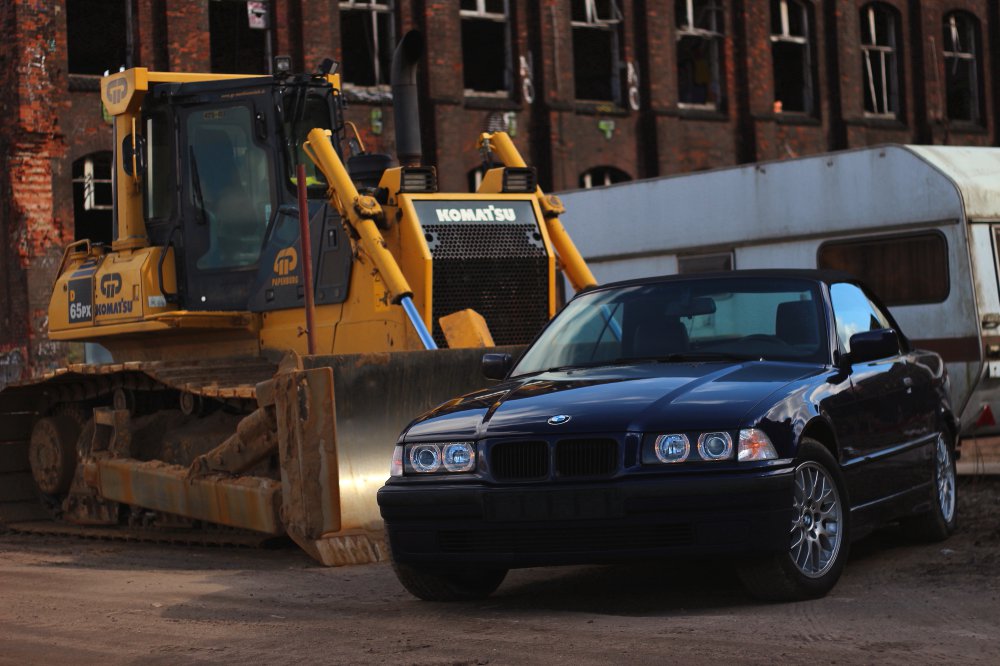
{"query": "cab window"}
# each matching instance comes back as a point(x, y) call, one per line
point(300, 119)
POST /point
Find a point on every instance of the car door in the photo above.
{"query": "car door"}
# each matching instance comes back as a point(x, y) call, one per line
point(884, 407)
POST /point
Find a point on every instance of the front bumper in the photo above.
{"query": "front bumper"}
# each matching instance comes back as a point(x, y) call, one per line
point(559, 523)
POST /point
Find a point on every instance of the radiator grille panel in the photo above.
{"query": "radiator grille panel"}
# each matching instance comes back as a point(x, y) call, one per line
point(586, 457)
point(512, 461)
point(499, 270)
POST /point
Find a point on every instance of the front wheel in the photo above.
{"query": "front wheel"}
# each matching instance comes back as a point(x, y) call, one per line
point(445, 584)
point(819, 534)
point(940, 521)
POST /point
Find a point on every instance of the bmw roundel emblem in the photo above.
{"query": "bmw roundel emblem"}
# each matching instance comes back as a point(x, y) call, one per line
point(559, 419)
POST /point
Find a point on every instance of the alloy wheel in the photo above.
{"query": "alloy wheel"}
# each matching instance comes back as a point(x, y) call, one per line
point(817, 520)
point(945, 480)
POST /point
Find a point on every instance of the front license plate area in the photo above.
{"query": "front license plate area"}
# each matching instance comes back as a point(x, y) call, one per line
point(553, 505)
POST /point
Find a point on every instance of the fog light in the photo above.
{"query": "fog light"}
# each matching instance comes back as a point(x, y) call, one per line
point(425, 458)
point(396, 466)
point(755, 445)
point(672, 448)
point(715, 445)
point(459, 457)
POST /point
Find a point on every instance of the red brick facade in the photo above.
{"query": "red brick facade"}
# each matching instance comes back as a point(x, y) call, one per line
point(50, 119)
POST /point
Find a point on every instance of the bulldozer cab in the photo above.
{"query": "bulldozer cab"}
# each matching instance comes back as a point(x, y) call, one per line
point(236, 144)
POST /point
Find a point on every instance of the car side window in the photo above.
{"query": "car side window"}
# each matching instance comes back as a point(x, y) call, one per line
point(854, 313)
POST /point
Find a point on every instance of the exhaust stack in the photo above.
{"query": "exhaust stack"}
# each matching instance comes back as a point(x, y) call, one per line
point(404, 98)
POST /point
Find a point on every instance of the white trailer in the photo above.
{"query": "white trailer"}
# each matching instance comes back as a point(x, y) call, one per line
point(920, 224)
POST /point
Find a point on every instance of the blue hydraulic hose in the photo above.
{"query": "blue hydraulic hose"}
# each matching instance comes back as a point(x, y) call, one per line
point(418, 323)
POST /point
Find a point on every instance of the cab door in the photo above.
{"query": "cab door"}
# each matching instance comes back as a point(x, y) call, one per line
point(227, 200)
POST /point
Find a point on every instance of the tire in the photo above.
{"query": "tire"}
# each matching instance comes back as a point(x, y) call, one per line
point(942, 519)
point(819, 534)
point(448, 584)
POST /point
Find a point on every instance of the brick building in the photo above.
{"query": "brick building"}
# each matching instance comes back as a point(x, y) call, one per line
point(594, 92)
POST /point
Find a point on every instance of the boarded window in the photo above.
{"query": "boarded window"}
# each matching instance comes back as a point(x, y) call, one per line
point(961, 69)
point(486, 62)
point(699, 53)
point(95, 35)
point(791, 57)
point(367, 40)
point(901, 270)
point(596, 49)
point(237, 47)
point(880, 59)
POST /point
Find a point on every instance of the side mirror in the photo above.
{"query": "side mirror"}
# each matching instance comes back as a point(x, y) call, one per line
point(873, 345)
point(134, 158)
point(496, 366)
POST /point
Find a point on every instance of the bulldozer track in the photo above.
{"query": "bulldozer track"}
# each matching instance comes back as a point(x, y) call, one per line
point(231, 381)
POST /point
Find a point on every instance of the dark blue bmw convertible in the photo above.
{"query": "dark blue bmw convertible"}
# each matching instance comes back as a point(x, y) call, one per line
point(774, 415)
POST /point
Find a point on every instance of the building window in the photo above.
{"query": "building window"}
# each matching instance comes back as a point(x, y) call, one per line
point(903, 270)
point(961, 69)
point(486, 62)
point(239, 45)
point(596, 49)
point(93, 197)
point(879, 59)
point(95, 36)
point(601, 176)
point(791, 57)
point(367, 40)
point(699, 53)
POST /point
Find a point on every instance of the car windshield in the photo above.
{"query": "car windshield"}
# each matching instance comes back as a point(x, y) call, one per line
point(697, 319)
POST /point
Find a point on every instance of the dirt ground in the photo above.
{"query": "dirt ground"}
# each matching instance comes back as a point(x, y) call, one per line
point(83, 601)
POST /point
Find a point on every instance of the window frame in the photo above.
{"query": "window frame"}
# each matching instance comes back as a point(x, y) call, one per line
point(883, 294)
point(613, 26)
point(715, 37)
point(373, 8)
point(804, 41)
point(482, 14)
point(889, 60)
point(970, 57)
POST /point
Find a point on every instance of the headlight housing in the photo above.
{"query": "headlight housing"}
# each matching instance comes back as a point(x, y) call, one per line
point(443, 457)
point(673, 448)
point(715, 445)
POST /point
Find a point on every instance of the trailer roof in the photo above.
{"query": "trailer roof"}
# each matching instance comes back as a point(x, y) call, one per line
point(879, 188)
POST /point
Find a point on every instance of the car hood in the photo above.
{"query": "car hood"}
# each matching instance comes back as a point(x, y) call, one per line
point(648, 397)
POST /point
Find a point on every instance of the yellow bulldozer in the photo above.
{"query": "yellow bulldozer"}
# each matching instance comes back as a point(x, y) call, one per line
point(275, 314)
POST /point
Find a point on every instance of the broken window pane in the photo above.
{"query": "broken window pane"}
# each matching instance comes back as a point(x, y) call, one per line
point(961, 70)
point(366, 41)
point(93, 197)
point(790, 56)
point(601, 176)
point(95, 35)
point(879, 61)
point(699, 53)
point(236, 47)
point(596, 47)
point(485, 54)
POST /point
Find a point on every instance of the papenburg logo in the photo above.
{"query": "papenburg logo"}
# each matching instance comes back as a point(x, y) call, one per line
point(286, 261)
point(117, 89)
point(111, 284)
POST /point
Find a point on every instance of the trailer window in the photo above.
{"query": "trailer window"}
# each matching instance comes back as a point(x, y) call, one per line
point(902, 270)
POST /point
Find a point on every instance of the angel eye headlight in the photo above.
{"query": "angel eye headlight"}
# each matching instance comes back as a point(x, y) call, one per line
point(672, 448)
point(425, 458)
point(715, 445)
point(459, 456)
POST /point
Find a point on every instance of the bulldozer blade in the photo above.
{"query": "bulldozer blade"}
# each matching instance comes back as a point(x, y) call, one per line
point(338, 421)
